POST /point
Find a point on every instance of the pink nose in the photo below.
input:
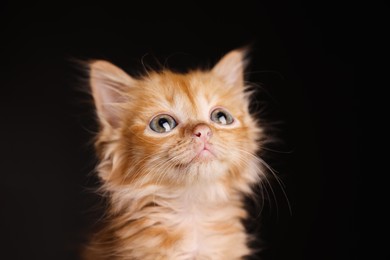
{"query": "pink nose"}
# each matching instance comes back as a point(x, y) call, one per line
point(203, 132)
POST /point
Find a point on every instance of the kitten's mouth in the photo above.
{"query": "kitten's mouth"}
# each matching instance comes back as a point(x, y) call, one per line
point(204, 154)
point(201, 154)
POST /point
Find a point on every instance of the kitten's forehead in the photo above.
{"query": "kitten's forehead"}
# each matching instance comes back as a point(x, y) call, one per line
point(188, 96)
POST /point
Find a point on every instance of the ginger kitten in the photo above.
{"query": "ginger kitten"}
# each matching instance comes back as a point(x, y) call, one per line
point(177, 156)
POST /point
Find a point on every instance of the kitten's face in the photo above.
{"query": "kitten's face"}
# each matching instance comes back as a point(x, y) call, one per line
point(187, 125)
point(179, 128)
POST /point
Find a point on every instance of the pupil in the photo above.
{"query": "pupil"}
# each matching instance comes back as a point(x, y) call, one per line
point(162, 121)
point(220, 114)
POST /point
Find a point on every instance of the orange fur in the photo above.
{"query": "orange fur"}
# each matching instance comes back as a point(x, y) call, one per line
point(165, 201)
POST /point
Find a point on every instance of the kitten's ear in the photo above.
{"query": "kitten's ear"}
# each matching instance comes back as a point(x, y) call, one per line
point(108, 85)
point(232, 66)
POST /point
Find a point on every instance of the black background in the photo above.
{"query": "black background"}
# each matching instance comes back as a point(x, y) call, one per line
point(302, 55)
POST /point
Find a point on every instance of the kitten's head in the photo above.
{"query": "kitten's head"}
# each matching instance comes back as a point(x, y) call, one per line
point(168, 128)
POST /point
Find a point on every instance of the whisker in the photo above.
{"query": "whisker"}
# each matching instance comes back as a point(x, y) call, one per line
point(262, 184)
point(277, 151)
point(268, 167)
point(273, 172)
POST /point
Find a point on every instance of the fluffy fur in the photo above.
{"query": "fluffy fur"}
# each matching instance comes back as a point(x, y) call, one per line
point(169, 198)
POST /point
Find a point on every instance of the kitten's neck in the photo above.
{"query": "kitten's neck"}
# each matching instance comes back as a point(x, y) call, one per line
point(198, 195)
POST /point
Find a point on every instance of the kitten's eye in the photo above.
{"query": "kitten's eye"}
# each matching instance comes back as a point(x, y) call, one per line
point(221, 116)
point(162, 123)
